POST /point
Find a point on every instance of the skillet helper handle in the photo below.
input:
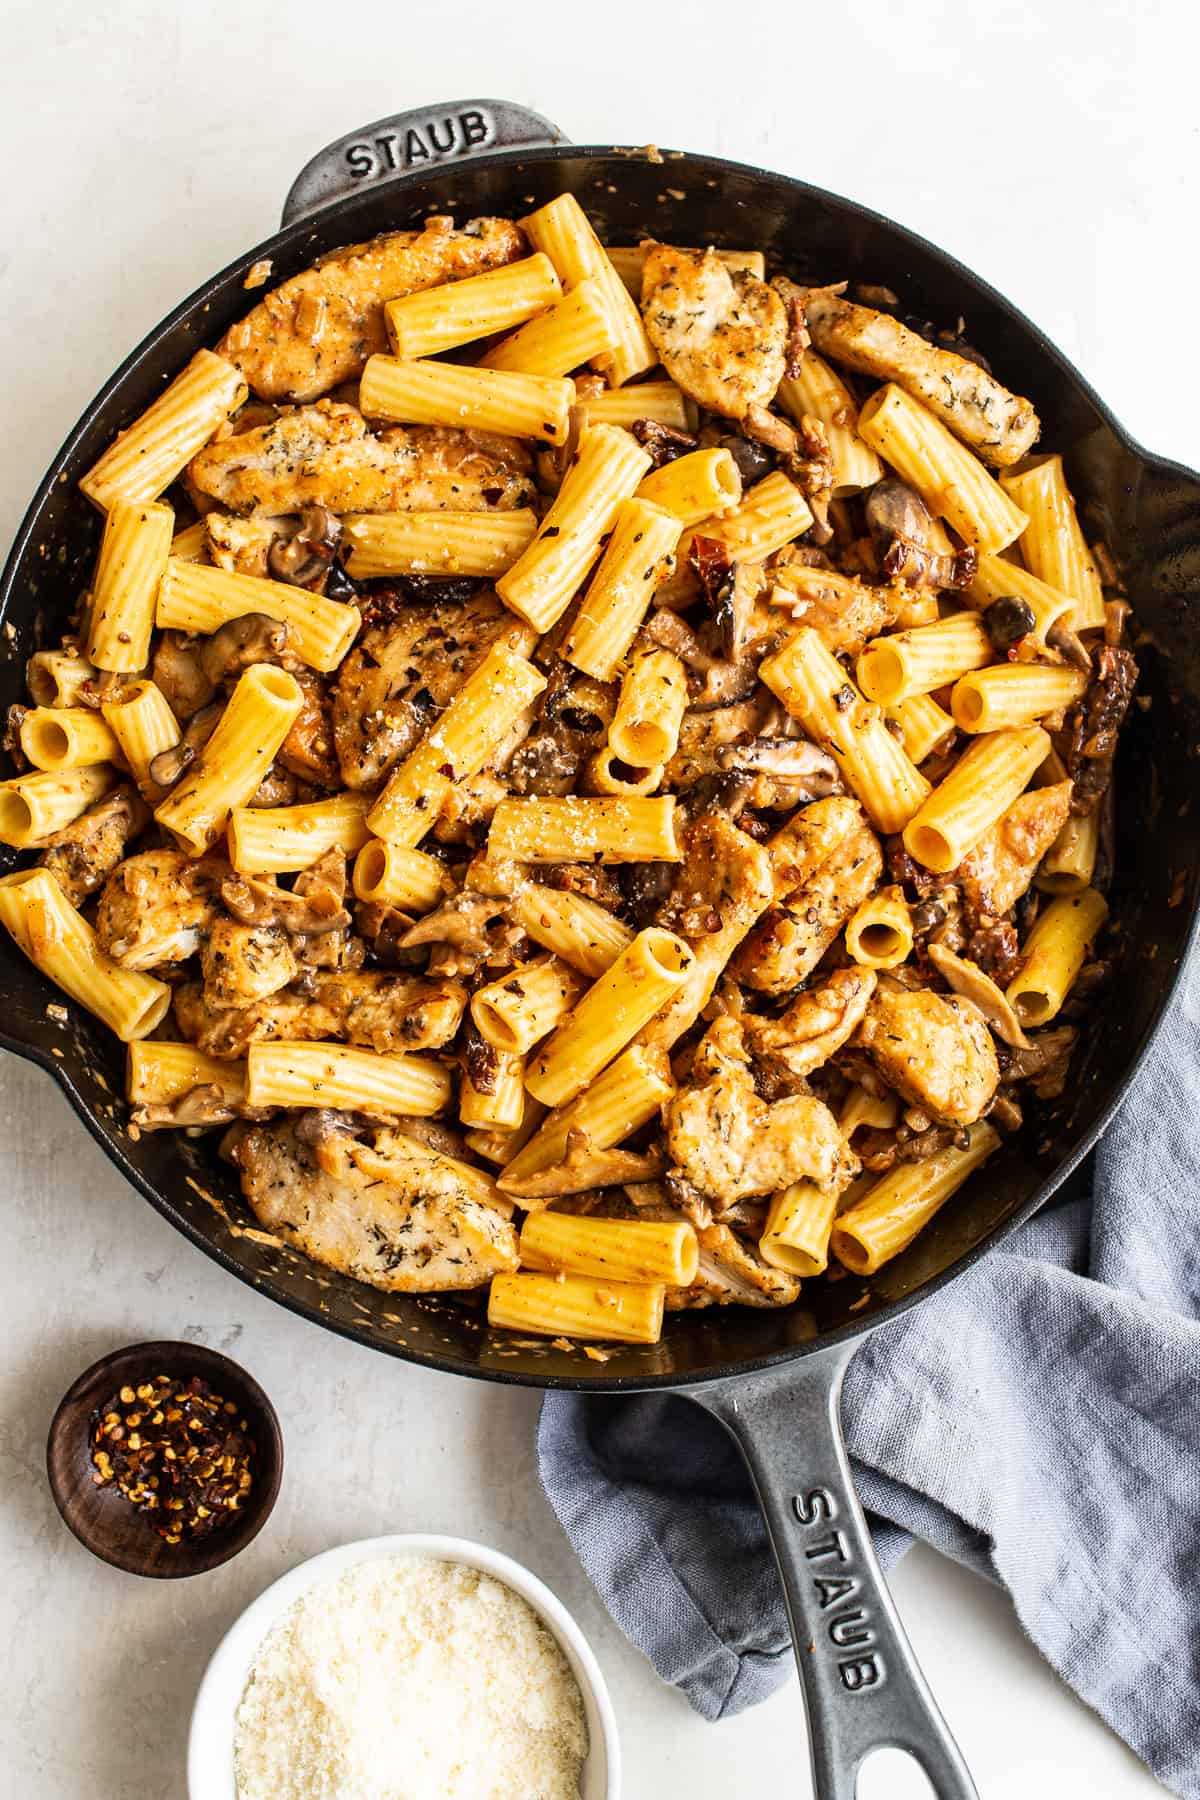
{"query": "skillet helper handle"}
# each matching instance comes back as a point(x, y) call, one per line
point(410, 143)
point(862, 1687)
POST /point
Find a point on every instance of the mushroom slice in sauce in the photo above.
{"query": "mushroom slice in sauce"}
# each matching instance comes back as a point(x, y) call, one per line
point(969, 980)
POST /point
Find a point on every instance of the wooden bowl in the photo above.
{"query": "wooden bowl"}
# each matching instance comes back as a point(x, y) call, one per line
point(101, 1518)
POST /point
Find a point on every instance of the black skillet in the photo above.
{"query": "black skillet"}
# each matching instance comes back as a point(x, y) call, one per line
point(862, 1687)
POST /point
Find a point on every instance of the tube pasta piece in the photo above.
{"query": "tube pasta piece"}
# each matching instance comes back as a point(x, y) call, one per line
point(768, 516)
point(879, 934)
point(629, 259)
point(1012, 694)
point(33, 807)
point(606, 774)
point(193, 597)
point(1054, 953)
point(521, 1008)
point(1070, 862)
point(695, 486)
point(143, 725)
point(133, 556)
point(501, 1106)
point(260, 713)
point(562, 230)
point(147, 458)
point(54, 677)
point(69, 737)
point(981, 786)
point(1052, 542)
point(815, 689)
point(650, 709)
point(999, 426)
point(996, 578)
point(439, 393)
point(460, 312)
point(61, 943)
point(191, 544)
point(578, 327)
point(455, 748)
point(302, 1074)
point(585, 830)
point(157, 1072)
point(931, 656)
point(578, 1306)
point(577, 929)
point(613, 1011)
point(634, 563)
point(923, 725)
point(818, 392)
point(616, 1249)
point(660, 401)
point(607, 468)
point(953, 483)
point(407, 879)
point(436, 543)
point(501, 1145)
point(275, 840)
point(891, 1213)
point(796, 1237)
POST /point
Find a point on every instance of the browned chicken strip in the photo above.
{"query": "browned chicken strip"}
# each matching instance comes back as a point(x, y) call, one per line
point(722, 335)
point(325, 455)
point(391, 688)
point(997, 871)
point(359, 1006)
point(816, 1024)
point(1000, 427)
point(934, 1049)
point(319, 328)
point(415, 1230)
point(156, 907)
point(84, 854)
point(728, 1143)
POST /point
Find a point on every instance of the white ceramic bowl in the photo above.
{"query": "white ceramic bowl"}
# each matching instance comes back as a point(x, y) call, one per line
point(211, 1738)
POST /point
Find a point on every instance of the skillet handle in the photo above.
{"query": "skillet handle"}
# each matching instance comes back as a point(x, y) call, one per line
point(862, 1687)
point(412, 142)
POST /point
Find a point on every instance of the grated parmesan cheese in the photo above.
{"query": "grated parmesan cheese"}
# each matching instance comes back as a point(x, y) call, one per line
point(410, 1679)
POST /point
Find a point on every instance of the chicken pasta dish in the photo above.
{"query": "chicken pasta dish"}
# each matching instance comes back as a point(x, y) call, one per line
point(589, 767)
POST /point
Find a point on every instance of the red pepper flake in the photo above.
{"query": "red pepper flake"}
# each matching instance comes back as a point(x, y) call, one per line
point(176, 1450)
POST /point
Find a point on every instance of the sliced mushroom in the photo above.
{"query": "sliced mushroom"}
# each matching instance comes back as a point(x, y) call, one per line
point(254, 902)
point(204, 1105)
point(304, 556)
point(1070, 645)
point(901, 528)
point(320, 1125)
point(969, 980)
point(794, 760)
point(583, 1168)
point(168, 766)
point(462, 922)
point(662, 442)
point(240, 643)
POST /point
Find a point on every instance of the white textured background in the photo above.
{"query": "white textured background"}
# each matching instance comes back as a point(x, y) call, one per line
point(1053, 148)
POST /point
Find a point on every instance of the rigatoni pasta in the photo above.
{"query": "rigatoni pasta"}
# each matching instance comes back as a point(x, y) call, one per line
point(59, 940)
point(33, 807)
point(573, 830)
point(438, 393)
point(1054, 954)
point(193, 597)
point(271, 840)
point(133, 557)
point(441, 318)
point(563, 231)
point(68, 737)
point(982, 784)
point(891, 1213)
point(1052, 542)
point(147, 458)
point(260, 713)
point(143, 726)
point(817, 391)
point(578, 327)
point(953, 483)
point(436, 543)
point(1012, 694)
point(892, 669)
point(635, 560)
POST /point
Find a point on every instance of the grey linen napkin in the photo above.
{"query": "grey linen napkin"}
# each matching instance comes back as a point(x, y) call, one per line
point(1038, 1421)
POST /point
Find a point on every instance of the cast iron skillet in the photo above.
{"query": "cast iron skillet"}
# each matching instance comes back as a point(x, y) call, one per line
point(862, 1687)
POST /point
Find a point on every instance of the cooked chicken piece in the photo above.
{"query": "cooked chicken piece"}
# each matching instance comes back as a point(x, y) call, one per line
point(244, 963)
point(242, 545)
point(1000, 427)
point(393, 685)
point(380, 1011)
point(934, 1049)
point(816, 1024)
point(307, 750)
point(417, 1231)
point(707, 730)
point(156, 908)
point(325, 455)
point(83, 855)
point(722, 335)
point(999, 869)
point(843, 611)
point(724, 885)
point(320, 327)
point(732, 1273)
point(846, 862)
point(728, 1143)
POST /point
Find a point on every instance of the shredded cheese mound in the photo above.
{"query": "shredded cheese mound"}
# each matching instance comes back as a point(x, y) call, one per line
point(409, 1679)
